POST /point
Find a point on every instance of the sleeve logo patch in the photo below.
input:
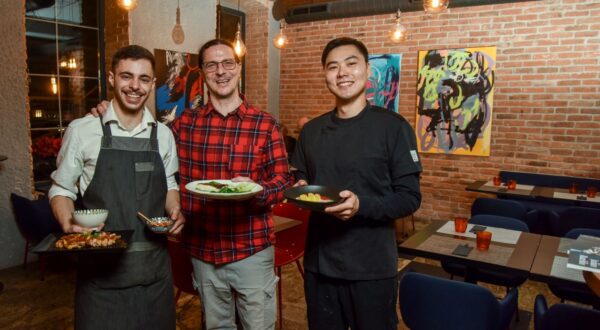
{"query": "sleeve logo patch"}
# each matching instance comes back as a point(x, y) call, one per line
point(414, 155)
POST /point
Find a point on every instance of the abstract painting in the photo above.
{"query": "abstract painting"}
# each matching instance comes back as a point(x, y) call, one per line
point(178, 84)
point(383, 85)
point(455, 97)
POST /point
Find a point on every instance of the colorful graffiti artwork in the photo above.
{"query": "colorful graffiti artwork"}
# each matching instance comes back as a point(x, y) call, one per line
point(178, 84)
point(383, 85)
point(454, 100)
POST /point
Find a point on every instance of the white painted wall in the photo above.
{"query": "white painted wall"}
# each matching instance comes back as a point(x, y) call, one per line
point(151, 24)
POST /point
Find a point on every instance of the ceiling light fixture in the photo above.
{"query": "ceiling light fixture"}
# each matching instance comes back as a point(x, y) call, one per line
point(281, 40)
point(127, 4)
point(177, 34)
point(238, 44)
point(435, 6)
point(399, 33)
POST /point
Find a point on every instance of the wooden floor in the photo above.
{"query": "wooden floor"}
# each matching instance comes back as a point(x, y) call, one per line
point(29, 303)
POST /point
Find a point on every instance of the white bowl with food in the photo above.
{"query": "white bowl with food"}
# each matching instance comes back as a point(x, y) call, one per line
point(90, 218)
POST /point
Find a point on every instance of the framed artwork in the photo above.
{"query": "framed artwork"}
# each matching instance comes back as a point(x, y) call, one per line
point(178, 84)
point(383, 85)
point(455, 94)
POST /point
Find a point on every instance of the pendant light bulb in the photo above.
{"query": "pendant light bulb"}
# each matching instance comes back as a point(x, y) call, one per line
point(238, 44)
point(127, 4)
point(435, 6)
point(399, 33)
point(280, 40)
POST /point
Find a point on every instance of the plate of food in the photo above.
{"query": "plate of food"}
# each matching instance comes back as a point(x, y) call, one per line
point(92, 241)
point(158, 225)
point(224, 189)
point(314, 198)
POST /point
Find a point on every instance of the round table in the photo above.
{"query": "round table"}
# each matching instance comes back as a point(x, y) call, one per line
point(593, 281)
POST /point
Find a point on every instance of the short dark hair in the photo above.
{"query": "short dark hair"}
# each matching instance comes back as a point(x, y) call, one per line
point(344, 41)
point(215, 42)
point(134, 52)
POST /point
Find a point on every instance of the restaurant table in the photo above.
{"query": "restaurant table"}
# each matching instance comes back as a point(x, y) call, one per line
point(510, 250)
point(550, 264)
point(283, 223)
point(529, 191)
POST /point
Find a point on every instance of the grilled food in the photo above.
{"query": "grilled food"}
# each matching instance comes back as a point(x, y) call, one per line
point(87, 240)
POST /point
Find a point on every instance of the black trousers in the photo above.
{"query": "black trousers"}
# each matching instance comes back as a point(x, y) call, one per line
point(334, 304)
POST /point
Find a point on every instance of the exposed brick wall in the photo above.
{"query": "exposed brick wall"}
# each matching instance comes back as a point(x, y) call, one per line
point(116, 32)
point(546, 108)
point(257, 42)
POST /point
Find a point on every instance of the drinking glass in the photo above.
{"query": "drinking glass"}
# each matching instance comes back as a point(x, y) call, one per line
point(460, 224)
point(591, 192)
point(484, 238)
point(497, 181)
point(573, 188)
point(512, 184)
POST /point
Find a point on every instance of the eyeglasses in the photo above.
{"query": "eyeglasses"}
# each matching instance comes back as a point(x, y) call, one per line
point(213, 66)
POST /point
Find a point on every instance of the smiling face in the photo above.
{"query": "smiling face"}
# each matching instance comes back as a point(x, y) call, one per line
point(222, 83)
point(132, 81)
point(346, 73)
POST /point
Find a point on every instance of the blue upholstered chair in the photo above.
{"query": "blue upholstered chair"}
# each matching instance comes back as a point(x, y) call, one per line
point(576, 217)
point(428, 302)
point(35, 221)
point(564, 316)
point(506, 208)
point(501, 278)
point(577, 292)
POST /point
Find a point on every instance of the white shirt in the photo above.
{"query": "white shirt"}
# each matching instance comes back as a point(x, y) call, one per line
point(80, 148)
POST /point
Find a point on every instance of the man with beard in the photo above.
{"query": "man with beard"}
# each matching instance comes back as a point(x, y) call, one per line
point(125, 162)
point(231, 241)
point(370, 153)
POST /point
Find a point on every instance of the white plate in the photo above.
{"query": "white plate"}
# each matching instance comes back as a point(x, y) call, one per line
point(191, 187)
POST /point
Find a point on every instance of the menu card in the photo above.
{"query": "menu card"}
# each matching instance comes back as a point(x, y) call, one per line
point(584, 254)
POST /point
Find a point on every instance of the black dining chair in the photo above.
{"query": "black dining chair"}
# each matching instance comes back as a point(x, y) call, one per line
point(563, 316)
point(576, 217)
point(431, 303)
point(577, 292)
point(501, 278)
point(35, 221)
point(506, 208)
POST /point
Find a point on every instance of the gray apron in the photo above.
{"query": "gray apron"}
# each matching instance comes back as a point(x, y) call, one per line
point(133, 289)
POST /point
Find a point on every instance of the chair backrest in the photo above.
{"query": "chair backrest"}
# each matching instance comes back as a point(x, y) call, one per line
point(428, 302)
point(290, 242)
point(577, 217)
point(500, 222)
point(181, 267)
point(564, 316)
point(575, 232)
point(34, 218)
point(501, 207)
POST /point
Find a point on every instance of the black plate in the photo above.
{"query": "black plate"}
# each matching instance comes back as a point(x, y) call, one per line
point(46, 246)
point(292, 195)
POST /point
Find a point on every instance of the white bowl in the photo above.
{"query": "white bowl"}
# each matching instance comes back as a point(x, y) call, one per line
point(90, 218)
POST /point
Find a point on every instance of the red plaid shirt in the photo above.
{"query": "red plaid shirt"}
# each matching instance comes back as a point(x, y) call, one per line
point(246, 142)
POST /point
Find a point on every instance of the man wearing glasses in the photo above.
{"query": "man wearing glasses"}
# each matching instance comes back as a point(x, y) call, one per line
point(231, 241)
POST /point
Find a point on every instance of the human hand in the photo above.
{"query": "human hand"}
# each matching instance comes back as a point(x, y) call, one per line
point(300, 183)
point(100, 109)
point(179, 221)
point(241, 179)
point(71, 228)
point(346, 209)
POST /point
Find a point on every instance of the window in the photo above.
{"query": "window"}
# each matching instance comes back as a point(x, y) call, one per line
point(65, 64)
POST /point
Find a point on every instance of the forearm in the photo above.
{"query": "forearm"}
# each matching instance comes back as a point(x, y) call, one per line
point(173, 202)
point(404, 201)
point(274, 188)
point(62, 208)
